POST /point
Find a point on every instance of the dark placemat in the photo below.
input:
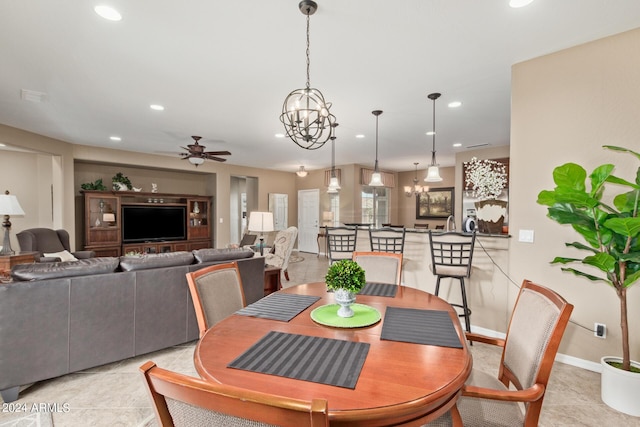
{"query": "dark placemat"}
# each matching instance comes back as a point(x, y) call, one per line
point(431, 327)
point(278, 306)
point(316, 359)
point(379, 290)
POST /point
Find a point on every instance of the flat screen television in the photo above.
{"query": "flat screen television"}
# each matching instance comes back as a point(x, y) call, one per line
point(153, 223)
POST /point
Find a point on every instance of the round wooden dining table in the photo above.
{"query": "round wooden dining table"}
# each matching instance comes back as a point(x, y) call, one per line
point(400, 382)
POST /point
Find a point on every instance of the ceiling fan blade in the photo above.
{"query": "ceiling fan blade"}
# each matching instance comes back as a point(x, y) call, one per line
point(217, 153)
point(217, 159)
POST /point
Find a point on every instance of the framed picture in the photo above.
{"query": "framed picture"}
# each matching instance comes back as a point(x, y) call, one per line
point(436, 203)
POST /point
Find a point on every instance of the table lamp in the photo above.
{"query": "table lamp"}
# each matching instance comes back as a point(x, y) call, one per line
point(327, 218)
point(108, 218)
point(261, 222)
point(8, 206)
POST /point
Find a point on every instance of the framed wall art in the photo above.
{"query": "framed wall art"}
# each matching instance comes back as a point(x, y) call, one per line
point(436, 203)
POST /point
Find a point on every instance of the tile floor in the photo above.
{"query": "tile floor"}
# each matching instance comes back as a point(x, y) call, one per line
point(113, 395)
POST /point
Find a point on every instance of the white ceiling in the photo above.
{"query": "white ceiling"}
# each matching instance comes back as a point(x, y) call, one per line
point(222, 69)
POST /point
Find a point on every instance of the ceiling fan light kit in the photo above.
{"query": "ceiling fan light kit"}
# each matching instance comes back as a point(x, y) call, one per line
point(305, 113)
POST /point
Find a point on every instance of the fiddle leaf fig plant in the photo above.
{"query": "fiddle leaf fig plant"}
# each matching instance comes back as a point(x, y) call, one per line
point(611, 232)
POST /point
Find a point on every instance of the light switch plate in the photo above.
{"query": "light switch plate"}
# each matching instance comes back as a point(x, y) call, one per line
point(525, 236)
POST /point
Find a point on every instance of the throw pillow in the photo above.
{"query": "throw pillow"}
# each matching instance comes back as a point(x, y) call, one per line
point(63, 255)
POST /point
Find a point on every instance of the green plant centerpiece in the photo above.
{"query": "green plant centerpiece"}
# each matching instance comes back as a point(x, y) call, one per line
point(121, 182)
point(345, 278)
point(611, 231)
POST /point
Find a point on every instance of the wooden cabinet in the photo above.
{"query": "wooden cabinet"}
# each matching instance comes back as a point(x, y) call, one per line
point(103, 222)
point(198, 226)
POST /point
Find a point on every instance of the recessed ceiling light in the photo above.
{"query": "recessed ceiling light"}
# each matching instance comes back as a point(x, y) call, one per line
point(519, 3)
point(107, 12)
point(454, 104)
point(359, 136)
point(430, 133)
point(457, 144)
point(156, 107)
point(279, 135)
point(115, 138)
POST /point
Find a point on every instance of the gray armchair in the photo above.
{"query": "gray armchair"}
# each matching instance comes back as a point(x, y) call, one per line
point(48, 241)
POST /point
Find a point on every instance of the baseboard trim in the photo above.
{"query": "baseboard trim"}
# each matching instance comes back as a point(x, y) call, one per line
point(562, 358)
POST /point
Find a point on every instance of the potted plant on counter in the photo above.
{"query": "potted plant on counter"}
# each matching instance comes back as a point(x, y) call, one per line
point(345, 278)
point(611, 228)
point(485, 180)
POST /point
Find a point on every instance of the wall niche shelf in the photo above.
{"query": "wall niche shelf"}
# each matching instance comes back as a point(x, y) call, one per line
point(103, 222)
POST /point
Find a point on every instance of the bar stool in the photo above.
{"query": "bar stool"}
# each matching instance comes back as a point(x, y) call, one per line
point(451, 256)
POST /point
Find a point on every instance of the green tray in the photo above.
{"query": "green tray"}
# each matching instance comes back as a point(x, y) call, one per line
point(363, 315)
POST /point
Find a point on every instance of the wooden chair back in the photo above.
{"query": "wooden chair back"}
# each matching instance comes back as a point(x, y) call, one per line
point(180, 400)
point(216, 292)
point(380, 267)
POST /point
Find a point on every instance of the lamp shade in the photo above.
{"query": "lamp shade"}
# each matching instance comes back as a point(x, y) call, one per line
point(9, 205)
point(376, 180)
point(261, 221)
point(433, 174)
point(327, 216)
point(109, 217)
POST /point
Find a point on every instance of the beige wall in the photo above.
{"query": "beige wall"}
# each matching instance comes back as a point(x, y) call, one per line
point(565, 106)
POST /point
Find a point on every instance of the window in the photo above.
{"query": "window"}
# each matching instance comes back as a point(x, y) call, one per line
point(375, 205)
point(335, 208)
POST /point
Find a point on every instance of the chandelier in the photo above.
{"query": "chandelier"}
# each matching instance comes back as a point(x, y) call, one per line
point(334, 184)
point(416, 189)
point(433, 172)
point(305, 113)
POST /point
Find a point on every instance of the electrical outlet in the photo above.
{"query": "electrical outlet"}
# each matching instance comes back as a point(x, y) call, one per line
point(600, 330)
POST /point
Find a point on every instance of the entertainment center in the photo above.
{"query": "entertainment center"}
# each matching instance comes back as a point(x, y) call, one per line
point(118, 222)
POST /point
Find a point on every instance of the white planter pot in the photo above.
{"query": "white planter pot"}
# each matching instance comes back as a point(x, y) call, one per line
point(346, 300)
point(620, 389)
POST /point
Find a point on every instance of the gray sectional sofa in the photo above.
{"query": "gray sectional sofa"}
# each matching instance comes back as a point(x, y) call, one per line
point(58, 318)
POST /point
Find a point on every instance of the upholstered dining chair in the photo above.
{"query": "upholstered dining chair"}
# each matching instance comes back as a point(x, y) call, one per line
point(180, 400)
point(283, 245)
point(451, 256)
point(535, 330)
point(216, 292)
point(342, 242)
point(380, 267)
point(51, 245)
point(387, 239)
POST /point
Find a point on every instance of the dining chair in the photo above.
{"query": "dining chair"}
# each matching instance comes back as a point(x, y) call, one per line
point(380, 267)
point(342, 242)
point(451, 257)
point(180, 400)
point(387, 239)
point(416, 225)
point(537, 324)
point(282, 247)
point(216, 292)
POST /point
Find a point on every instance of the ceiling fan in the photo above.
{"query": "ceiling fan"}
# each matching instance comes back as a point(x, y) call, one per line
point(196, 154)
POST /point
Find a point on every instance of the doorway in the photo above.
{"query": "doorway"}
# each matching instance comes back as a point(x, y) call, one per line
point(244, 199)
point(308, 220)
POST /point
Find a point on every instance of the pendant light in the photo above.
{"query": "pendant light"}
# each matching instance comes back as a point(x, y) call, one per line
point(301, 172)
point(305, 113)
point(416, 190)
point(376, 177)
point(433, 172)
point(334, 184)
